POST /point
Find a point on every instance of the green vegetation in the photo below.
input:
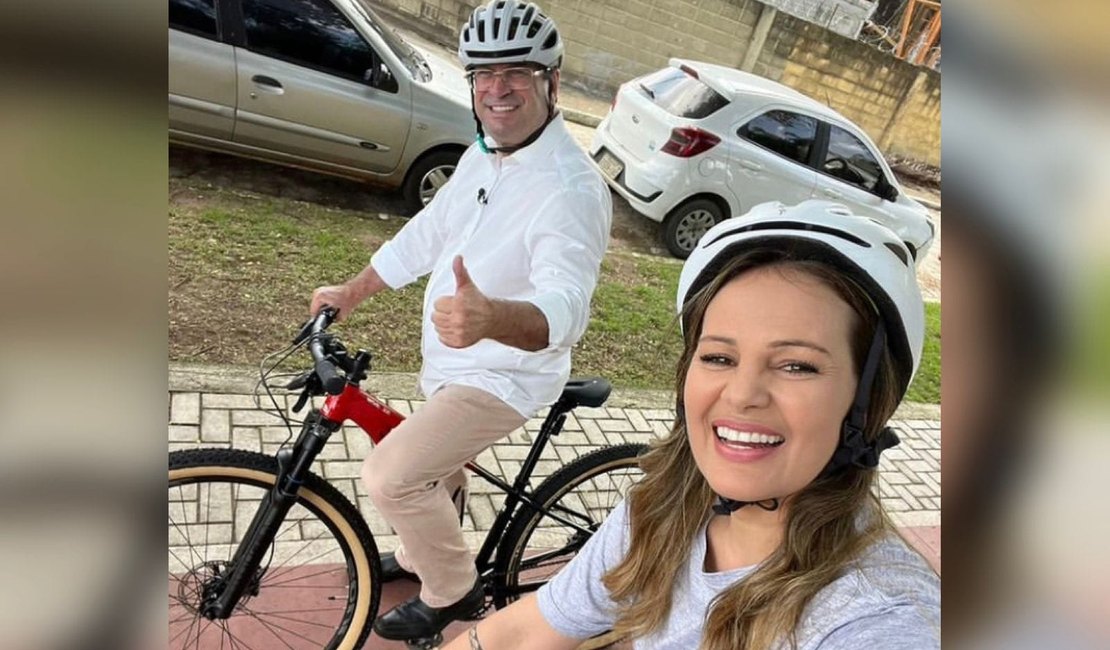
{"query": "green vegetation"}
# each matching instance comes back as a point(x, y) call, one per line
point(242, 269)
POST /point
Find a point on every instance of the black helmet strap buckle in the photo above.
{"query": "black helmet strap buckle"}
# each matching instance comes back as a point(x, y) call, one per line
point(728, 506)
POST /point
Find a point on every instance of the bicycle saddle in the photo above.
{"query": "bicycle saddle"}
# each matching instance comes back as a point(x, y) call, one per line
point(586, 391)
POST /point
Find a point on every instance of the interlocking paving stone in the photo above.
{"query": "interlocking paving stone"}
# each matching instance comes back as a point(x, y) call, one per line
point(909, 480)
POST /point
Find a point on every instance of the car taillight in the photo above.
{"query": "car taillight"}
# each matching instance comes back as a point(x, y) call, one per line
point(688, 70)
point(613, 104)
point(687, 141)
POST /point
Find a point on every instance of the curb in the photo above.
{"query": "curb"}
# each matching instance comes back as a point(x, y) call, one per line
point(205, 378)
point(580, 117)
point(929, 203)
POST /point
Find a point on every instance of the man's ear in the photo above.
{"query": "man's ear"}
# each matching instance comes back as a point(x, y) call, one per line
point(553, 90)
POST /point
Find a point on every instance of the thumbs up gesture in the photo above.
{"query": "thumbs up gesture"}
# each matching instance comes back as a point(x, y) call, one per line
point(465, 318)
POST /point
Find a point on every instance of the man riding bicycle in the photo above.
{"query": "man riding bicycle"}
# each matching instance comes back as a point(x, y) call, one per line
point(513, 244)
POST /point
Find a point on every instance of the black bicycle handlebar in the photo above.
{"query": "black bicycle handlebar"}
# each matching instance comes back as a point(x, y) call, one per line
point(331, 380)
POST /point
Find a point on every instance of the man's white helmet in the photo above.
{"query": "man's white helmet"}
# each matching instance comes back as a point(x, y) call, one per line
point(866, 251)
point(509, 31)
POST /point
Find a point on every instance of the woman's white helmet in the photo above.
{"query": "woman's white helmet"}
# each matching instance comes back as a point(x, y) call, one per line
point(509, 31)
point(866, 251)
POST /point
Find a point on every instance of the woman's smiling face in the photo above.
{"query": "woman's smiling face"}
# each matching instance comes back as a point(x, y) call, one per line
point(770, 383)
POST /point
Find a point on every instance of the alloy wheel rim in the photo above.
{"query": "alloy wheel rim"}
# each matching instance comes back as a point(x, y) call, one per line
point(436, 178)
point(691, 228)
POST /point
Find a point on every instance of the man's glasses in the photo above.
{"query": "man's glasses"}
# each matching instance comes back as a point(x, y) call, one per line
point(514, 78)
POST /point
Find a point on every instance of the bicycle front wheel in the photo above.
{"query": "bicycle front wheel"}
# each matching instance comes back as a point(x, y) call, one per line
point(574, 501)
point(318, 585)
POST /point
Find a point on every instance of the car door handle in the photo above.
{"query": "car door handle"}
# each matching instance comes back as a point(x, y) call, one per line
point(755, 167)
point(831, 193)
point(263, 80)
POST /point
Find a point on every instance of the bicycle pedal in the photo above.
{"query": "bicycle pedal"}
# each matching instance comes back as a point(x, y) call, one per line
point(479, 613)
point(424, 643)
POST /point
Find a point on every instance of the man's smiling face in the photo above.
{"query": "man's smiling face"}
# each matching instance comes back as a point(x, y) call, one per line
point(509, 115)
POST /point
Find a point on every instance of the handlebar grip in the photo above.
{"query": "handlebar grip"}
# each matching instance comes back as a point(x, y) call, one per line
point(332, 381)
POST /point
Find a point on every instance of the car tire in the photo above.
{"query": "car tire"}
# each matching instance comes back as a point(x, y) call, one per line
point(426, 176)
point(686, 224)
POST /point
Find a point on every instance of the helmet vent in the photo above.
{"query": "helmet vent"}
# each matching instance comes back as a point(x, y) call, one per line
point(790, 225)
point(899, 252)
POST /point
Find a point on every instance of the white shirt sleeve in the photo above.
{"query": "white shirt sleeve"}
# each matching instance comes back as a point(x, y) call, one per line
point(575, 603)
point(415, 249)
point(566, 245)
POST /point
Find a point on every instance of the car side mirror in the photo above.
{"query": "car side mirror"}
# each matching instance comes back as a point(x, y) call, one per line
point(378, 74)
point(886, 189)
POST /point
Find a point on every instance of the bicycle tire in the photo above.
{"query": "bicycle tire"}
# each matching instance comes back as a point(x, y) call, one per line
point(339, 576)
point(524, 561)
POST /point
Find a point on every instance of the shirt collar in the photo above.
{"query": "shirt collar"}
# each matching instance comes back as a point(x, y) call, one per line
point(543, 145)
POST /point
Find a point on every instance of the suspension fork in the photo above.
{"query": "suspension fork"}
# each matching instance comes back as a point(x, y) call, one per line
point(293, 469)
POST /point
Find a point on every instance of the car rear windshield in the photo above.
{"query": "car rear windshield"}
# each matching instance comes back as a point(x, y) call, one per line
point(680, 94)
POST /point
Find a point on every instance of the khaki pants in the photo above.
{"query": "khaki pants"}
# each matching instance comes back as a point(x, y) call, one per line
point(412, 474)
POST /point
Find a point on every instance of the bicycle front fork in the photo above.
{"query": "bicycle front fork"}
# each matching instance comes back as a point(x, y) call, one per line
point(293, 468)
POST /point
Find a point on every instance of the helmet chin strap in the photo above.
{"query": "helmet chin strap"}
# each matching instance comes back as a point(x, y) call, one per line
point(527, 141)
point(853, 450)
point(728, 506)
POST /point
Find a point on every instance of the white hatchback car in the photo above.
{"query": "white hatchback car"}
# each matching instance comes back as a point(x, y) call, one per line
point(694, 143)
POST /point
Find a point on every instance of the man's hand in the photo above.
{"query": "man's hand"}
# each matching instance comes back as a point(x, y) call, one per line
point(345, 297)
point(339, 296)
point(465, 318)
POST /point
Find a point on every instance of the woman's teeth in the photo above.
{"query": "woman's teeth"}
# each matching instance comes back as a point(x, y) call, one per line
point(748, 437)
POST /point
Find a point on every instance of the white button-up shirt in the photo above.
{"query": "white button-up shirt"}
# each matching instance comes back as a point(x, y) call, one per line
point(537, 234)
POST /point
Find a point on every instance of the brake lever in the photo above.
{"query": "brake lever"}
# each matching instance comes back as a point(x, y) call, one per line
point(301, 401)
point(299, 381)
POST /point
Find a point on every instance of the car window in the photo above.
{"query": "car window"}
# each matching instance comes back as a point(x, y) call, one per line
point(194, 16)
point(851, 161)
point(680, 94)
point(309, 32)
point(786, 133)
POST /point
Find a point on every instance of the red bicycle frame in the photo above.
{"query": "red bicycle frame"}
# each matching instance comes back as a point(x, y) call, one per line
point(372, 415)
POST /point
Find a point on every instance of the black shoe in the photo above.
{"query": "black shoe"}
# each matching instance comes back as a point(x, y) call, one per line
point(392, 570)
point(414, 619)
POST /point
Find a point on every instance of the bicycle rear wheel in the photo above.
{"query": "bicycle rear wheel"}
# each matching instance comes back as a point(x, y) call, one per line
point(536, 544)
point(318, 586)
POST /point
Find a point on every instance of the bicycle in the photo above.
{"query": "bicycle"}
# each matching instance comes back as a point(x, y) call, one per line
point(265, 553)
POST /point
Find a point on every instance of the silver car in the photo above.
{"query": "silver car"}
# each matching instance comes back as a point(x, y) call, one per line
point(318, 84)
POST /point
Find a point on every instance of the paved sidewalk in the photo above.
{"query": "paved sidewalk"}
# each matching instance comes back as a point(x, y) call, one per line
point(215, 407)
point(211, 407)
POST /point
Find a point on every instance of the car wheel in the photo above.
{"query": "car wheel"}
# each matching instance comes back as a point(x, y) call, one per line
point(427, 176)
point(686, 224)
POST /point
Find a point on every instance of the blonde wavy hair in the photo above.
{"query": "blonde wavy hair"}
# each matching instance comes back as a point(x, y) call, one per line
point(824, 533)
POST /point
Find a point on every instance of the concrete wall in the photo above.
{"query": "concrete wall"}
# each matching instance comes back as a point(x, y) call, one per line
point(610, 42)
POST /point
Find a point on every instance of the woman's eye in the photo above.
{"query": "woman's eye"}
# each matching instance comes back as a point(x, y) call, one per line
point(799, 367)
point(715, 359)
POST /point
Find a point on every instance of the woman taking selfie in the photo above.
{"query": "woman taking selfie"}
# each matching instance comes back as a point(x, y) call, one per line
point(755, 526)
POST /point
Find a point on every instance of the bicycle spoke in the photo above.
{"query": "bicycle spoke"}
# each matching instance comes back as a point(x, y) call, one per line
point(185, 533)
point(278, 574)
point(232, 641)
point(255, 616)
point(278, 615)
point(311, 575)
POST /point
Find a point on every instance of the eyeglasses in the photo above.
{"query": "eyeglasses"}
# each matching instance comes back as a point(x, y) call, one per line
point(514, 78)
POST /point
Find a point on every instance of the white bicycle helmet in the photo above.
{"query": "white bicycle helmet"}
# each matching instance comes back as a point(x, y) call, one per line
point(868, 252)
point(509, 31)
point(865, 251)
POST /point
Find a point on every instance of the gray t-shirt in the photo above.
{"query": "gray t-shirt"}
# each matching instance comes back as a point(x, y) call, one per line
point(890, 600)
